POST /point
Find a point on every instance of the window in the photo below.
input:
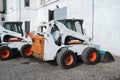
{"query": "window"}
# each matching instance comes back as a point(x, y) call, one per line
point(27, 3)
point(4, 6)
point(50, 15)
point(15, 27)
point(70, 25)
point(78, 27)
point(3, 19)
point(27, 26)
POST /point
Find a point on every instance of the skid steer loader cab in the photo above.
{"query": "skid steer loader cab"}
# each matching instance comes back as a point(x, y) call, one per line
point(73, 24)
point(13, 26)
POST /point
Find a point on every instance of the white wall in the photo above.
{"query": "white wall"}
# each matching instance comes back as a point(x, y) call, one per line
point(12, 10)
point(107, 25)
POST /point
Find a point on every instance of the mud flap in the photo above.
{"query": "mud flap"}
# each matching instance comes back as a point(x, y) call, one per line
point(106, 56)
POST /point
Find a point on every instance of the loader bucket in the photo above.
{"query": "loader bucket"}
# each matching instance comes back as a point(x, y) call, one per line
point(106, 56)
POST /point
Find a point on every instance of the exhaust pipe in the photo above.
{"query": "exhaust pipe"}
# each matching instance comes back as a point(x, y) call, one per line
point(106, 56)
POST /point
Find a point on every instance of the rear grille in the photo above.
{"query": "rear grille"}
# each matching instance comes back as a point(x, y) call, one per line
point(38, 46)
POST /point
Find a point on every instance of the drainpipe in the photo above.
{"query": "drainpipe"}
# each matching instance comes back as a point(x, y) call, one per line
point(93, 19)
point(19, 10)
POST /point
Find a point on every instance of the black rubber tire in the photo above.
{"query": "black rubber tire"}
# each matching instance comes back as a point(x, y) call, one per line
point(9, 52)
point(61, 56)
point(23, 48)
point(86, 55)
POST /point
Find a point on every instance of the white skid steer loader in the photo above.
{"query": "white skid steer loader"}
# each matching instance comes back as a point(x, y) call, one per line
point(13, 39)
point(64, 41)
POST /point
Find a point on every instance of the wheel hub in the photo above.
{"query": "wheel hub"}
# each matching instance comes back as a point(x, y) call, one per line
point(4, 53)
point(28, 51)
point(68, 60)
point(92, 56)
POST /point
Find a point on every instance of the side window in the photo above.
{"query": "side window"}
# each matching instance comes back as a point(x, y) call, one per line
point(27, 3)
point(15, 28)
point(56, 35)
point(11, 27)
point(70, 25)
point(8, 27)
point(78, 27)
point(27, 26)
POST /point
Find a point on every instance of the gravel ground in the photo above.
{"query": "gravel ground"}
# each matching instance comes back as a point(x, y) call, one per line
point(34, 69)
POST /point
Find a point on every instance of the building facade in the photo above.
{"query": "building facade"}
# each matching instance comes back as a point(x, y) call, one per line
point(23, 10)
point(106, 17)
